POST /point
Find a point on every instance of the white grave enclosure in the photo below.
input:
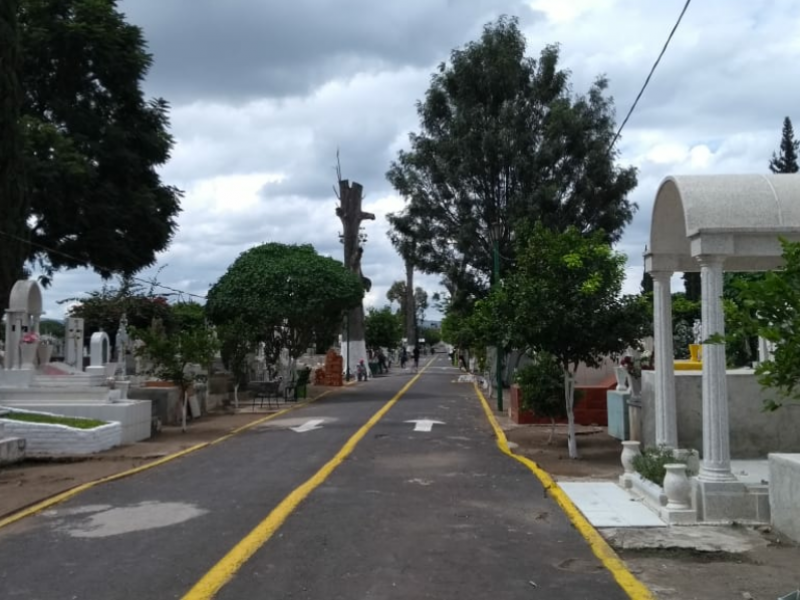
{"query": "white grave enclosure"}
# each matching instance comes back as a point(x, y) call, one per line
point(64, 388)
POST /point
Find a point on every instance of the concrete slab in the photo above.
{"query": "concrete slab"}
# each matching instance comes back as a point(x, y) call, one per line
point(606, 504)
point(702, 538)
point(751, 472)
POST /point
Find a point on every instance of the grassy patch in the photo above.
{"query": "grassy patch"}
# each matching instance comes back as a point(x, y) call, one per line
point(74, 422)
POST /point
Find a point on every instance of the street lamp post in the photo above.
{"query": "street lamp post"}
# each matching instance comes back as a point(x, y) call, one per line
point(497, 231)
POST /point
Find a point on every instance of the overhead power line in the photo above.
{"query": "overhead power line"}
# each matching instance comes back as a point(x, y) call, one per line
point(649, 76)
point(151, 283)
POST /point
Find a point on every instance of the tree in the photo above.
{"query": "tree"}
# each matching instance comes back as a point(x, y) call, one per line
point(647, 283)
point(769, 307)
point(288, 294)
point(420, 305)
point(692, 286)
point(103, 309)
point(384, 329)
point(52, 328)
point(14, 198)
point(431, 335)
point(237, 339)
point(92, 145)
point(173, 352)
point(403, 237)
point(457, 330)
point(542, 385)
point(785, 161)
point(565, 299)
point(397, 293)
point(502, 138)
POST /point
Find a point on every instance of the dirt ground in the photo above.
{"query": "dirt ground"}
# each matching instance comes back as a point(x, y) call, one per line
point(765, 568)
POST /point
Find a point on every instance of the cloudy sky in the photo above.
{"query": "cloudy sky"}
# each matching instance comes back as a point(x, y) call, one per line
point(264, 92)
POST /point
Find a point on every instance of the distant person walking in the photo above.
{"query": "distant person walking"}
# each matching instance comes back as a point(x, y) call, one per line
point(403, 358)
point(416, 358)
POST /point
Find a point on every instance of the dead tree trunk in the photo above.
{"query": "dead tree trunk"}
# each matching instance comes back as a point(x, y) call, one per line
point(350, 213)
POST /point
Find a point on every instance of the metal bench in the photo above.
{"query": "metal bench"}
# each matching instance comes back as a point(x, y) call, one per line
point(265, 390)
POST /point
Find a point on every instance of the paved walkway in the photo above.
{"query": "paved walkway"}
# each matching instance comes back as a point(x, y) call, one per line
point(414, 502)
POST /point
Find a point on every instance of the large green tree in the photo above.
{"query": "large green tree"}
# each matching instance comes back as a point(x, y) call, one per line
point(785, 160)
point(289, 294)
point(502, 137)
point(383, 328)
point(565, 299)
point(14, 201)
point(769, 307)
point(92, 145)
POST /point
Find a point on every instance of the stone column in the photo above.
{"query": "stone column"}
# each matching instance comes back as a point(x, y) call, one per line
point(716, 465)
point(666, 411)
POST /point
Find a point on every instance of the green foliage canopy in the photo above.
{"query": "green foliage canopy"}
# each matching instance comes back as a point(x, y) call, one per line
point(288, 293)
point(769, 306)
point(384, 329)
point(103, 309)
point(503, 139)
point(565, 298)
point(92, 144)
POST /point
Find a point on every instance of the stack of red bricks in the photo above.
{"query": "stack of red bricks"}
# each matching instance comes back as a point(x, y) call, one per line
point(333, 369)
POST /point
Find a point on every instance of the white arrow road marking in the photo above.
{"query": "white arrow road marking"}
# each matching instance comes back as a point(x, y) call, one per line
point(424, 424)
point(308, 426)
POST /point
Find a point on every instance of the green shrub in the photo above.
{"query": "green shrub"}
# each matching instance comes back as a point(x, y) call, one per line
point(542, 386)
point(650, 463)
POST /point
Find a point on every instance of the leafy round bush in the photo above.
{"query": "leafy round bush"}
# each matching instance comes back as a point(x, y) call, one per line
point(542, 386)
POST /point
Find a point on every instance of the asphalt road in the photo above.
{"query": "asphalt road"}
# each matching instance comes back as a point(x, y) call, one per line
point(409, 514)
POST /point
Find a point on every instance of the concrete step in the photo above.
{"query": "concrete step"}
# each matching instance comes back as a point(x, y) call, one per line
point(33, 395)
point(68, 381)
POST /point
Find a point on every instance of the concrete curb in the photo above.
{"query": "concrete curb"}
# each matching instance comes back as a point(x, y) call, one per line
point(635, 589)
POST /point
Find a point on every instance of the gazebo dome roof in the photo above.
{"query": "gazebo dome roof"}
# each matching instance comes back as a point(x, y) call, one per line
point(738, 216)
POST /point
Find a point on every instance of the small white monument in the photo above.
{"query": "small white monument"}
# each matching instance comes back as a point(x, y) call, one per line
point(73, 347)
point(99, 353)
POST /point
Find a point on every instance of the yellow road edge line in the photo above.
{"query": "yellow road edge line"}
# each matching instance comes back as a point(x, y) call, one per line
point(635, 589)
point(72, 492)
point(222, 572)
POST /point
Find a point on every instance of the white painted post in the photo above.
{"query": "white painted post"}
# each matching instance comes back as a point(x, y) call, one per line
point(666, 410)
point(716, 465)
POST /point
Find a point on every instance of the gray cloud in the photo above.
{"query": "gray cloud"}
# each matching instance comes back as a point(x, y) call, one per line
point(264, 93)
point(244, 49)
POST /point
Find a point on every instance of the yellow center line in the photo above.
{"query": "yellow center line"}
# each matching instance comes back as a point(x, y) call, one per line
point(635, 589)
point(229, 565)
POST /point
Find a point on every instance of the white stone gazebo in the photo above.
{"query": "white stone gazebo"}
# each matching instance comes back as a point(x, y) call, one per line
point(712, 224)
